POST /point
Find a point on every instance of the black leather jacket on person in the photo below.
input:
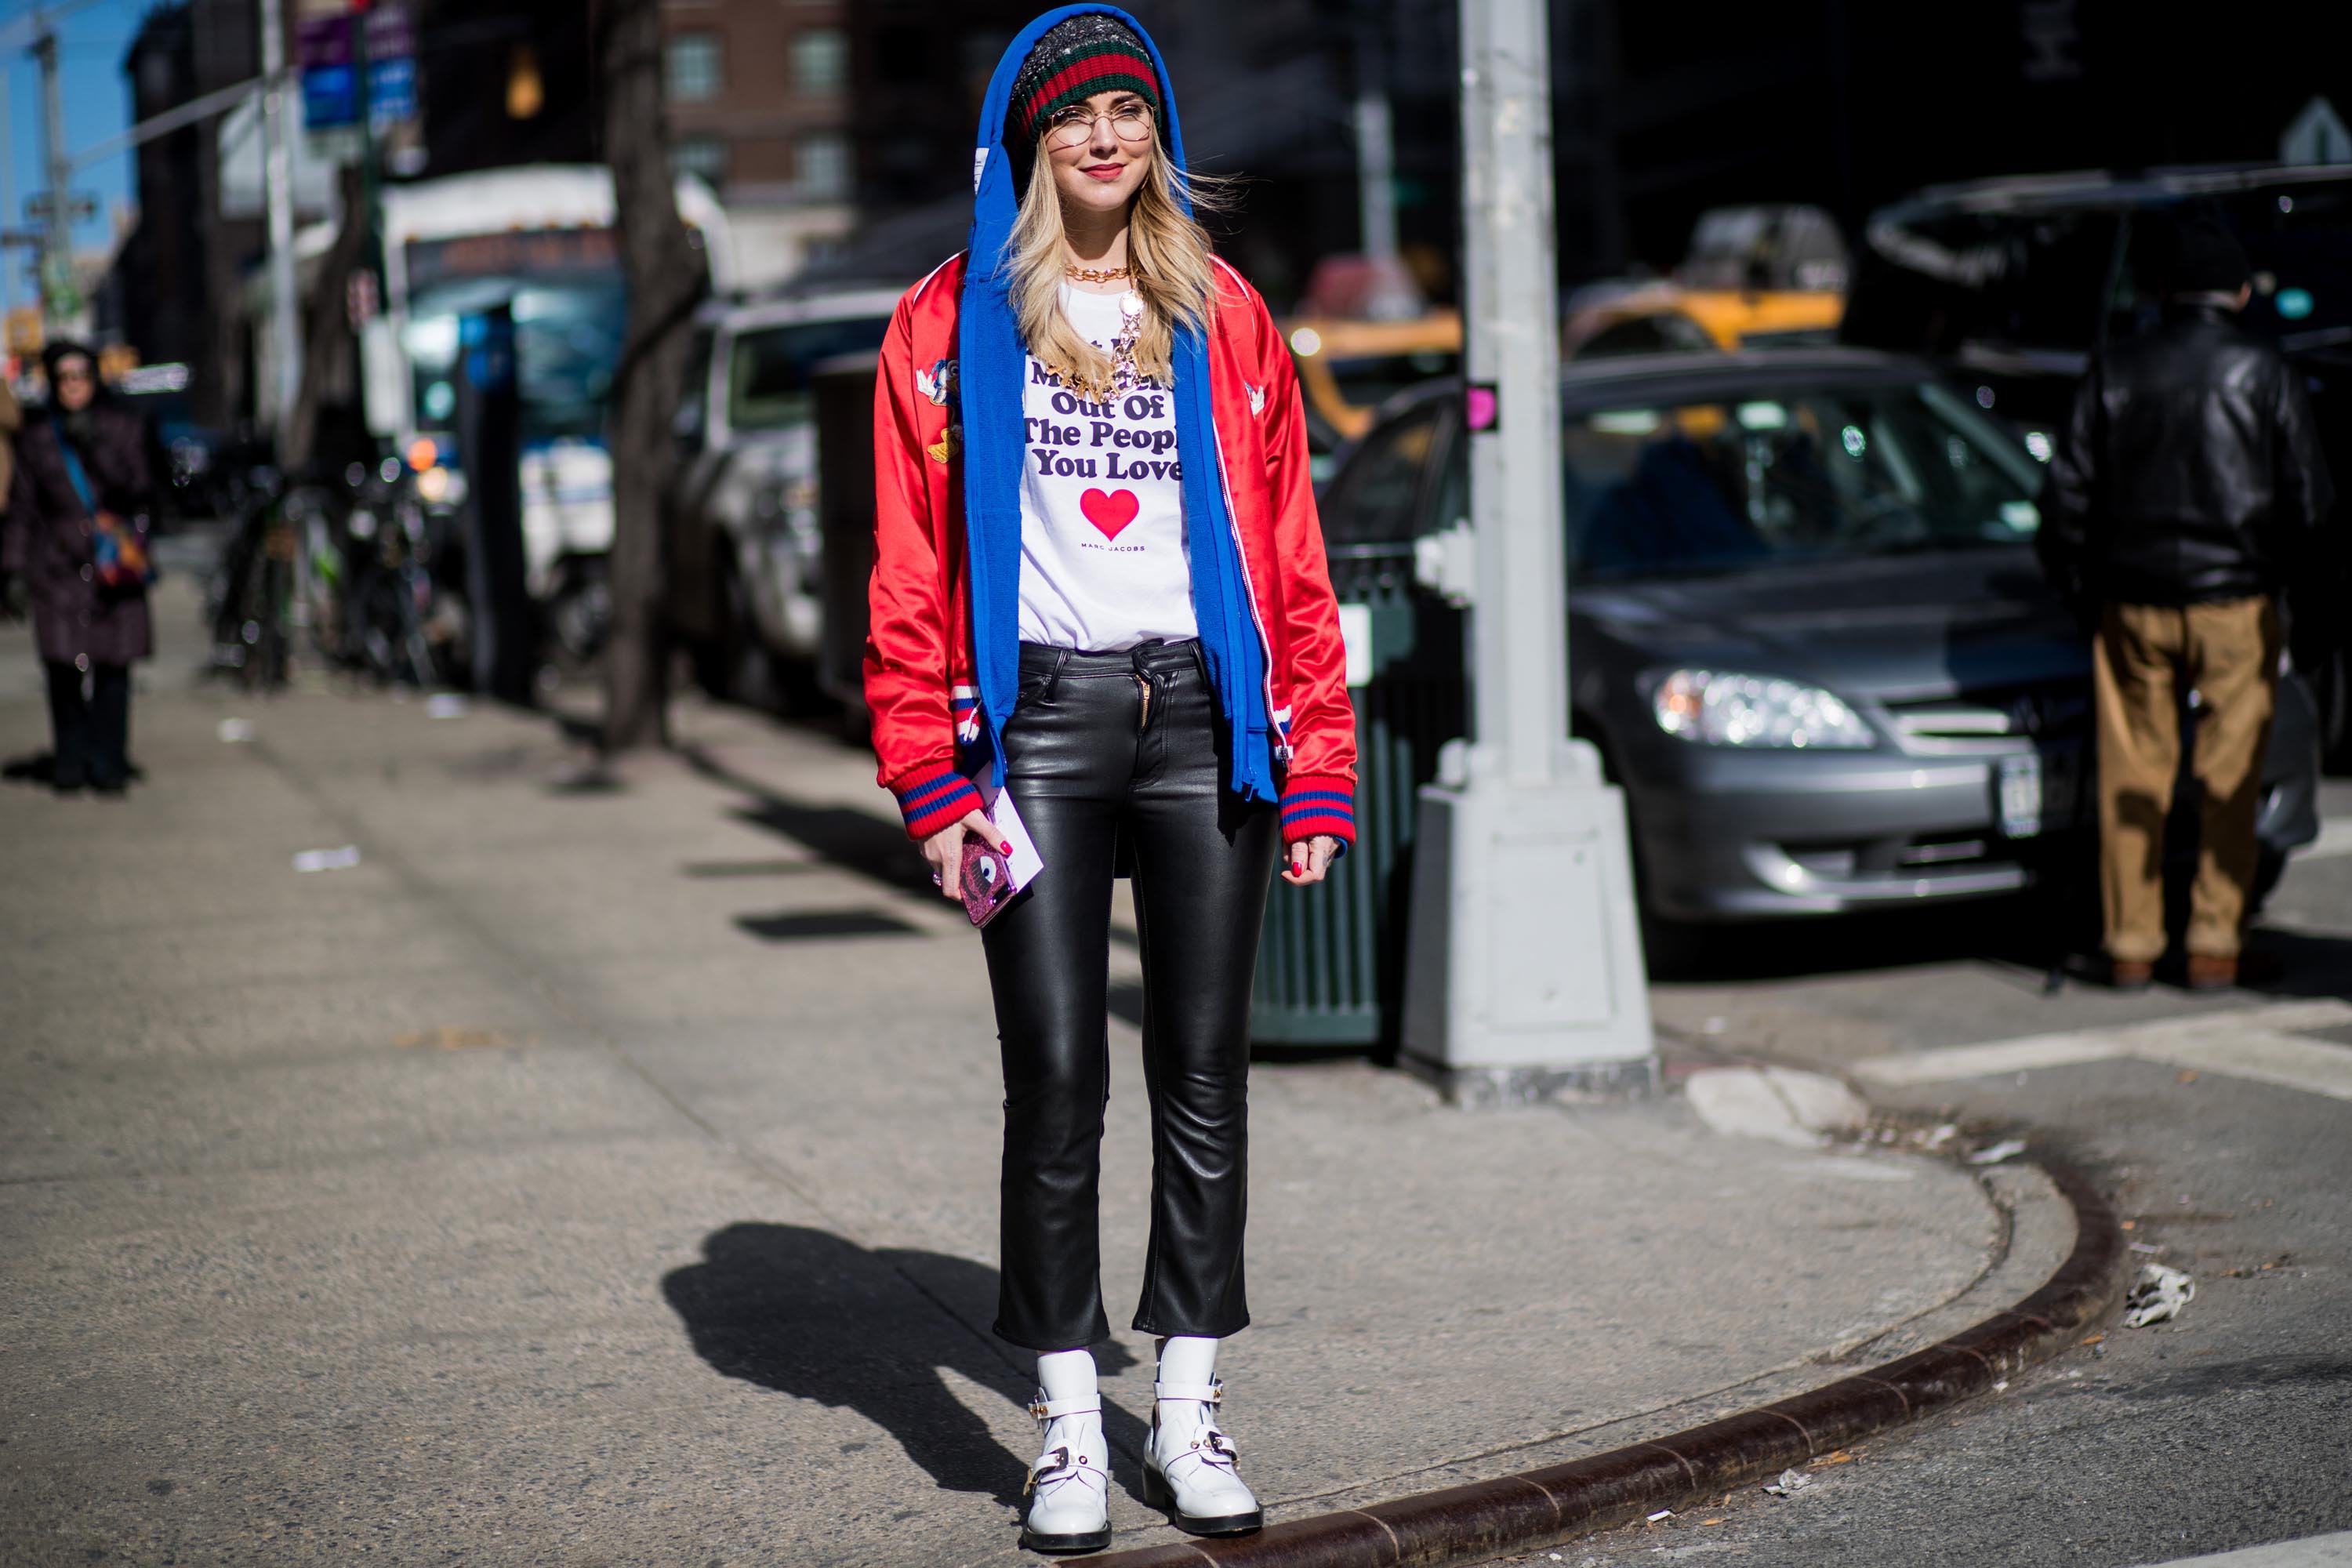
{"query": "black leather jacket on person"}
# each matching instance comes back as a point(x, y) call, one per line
point(2188, 472)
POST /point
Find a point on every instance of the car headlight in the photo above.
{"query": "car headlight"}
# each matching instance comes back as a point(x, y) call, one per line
point(1721, 708)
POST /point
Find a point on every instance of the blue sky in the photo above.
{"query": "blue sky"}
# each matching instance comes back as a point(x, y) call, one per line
point(93, 42)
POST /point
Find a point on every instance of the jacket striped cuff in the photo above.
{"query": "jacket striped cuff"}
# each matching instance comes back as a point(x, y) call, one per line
point(934, 796)
point(1312, 805)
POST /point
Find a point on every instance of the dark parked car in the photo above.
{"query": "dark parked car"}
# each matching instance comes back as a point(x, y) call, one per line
point(1806, 629)
point(2009, 285)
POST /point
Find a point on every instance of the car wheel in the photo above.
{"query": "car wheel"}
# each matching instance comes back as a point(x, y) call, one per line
point(2331, 693)
point(2270, 864)
point(1672, 949)
point(580, 615)
point(747, 671)
point(709, 656)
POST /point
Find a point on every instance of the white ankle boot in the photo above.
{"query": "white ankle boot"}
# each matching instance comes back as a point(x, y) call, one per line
point(1069, 1486)
point(1188, 1466)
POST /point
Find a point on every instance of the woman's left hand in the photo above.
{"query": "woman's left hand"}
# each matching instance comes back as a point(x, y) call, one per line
point(1309, 858)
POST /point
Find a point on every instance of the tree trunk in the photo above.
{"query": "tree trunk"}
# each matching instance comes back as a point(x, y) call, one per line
point(667, 279)
point(326, 410)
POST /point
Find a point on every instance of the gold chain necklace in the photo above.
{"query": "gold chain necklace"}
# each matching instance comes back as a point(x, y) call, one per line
point(1097, 274)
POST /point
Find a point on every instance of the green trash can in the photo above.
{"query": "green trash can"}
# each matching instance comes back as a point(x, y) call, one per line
point(1331, 963)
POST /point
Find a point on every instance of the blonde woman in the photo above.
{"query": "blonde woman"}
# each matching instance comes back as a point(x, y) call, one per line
point(1099, 588)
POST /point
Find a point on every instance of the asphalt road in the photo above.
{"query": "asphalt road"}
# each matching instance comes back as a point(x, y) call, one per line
point(2227, 1427)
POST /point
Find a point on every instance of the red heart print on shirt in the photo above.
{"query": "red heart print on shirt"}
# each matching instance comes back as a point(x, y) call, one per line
point(1110, 512)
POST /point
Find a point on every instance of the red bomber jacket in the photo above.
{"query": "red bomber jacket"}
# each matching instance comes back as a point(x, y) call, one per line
point(919, 657)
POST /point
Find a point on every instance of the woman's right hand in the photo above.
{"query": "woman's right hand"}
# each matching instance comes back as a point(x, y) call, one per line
point(944, 850)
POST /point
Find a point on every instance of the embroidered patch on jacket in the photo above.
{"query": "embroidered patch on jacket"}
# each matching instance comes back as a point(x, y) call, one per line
point(947, 446)
point(1257, 399)
point(938, 383)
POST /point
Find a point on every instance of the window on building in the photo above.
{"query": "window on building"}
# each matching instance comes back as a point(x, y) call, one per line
point(702, 155)
point(823, 162)
point(695, 75)
point(821, 59)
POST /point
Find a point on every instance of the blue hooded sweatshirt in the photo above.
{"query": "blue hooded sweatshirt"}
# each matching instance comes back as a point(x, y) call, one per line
point(992, 365)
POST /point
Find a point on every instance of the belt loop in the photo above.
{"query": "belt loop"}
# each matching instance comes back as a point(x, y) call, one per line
point(1054, 676)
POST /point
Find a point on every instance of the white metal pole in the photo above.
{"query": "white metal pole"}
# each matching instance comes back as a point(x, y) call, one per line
point(1375, 146)
point(1512, 319)
point(1523, 972)
point(277, 180)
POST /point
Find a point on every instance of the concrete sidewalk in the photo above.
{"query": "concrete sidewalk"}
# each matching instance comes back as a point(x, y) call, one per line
point(603, 1170)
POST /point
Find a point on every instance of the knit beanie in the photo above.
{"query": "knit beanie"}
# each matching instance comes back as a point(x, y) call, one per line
point(1075, 61)
point(2203, 257)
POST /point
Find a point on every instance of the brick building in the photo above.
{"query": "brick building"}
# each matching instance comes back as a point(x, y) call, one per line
point(758, 102)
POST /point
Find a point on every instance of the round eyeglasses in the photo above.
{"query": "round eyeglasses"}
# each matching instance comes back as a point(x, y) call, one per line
point(1074, 126)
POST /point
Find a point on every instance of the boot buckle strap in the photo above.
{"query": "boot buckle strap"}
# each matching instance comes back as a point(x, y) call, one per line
point(1049, 1467)
point(1206, 1392)
point(1048, 1409)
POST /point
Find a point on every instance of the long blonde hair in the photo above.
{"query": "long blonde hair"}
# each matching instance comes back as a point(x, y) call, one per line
point(1169, 253)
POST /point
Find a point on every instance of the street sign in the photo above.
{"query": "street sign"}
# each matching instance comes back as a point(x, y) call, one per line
point(80, 206)
point(329, 100)
point(2317, 135)
point(324, 52)
point(392, 91)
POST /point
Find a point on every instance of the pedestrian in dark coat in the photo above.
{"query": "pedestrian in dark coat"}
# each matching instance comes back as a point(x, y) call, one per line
point(2187, 491)
point(88, 632)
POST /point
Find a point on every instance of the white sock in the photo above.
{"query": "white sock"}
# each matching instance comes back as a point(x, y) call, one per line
point(1066, 1375)
point(1188, 1358)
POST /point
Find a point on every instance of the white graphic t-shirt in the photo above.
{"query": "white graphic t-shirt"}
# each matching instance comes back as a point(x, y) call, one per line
point(1103, 563)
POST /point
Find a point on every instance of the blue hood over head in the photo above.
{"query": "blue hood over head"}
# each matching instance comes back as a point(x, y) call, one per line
point(992, 370)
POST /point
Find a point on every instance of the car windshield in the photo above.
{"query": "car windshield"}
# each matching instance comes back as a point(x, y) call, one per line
point(768, 378)
point(1777, 476)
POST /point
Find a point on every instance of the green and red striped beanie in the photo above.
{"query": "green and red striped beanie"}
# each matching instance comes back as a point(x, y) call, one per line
point(1073, 61)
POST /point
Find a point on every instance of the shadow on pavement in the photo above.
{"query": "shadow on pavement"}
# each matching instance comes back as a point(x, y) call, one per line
point(807, 1313)
point(40, 768)
point(2023, 934)
point(855, 840)
point(2309, 965)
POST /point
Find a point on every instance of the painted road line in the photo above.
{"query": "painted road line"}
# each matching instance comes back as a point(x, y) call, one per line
point(2334, 838)
point(2257, 1043)
point(1995, 1058)
point(2313, 1551)
point(2290, 1061)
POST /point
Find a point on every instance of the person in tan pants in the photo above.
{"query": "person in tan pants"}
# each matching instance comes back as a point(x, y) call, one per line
point(2145, 660)
point(2186, 490)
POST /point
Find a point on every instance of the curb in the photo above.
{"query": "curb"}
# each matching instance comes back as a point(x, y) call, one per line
point(1542, 1508)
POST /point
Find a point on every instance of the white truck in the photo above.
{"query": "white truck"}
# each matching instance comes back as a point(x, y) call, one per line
point(539, 239)
point(745, 555)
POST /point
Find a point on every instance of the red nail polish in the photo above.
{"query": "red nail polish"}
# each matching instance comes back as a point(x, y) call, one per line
point(1006, 846)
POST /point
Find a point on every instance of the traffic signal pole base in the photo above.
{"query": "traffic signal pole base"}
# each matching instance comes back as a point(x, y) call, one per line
point(1524, 973)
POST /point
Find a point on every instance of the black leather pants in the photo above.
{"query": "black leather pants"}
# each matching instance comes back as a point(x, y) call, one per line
point(1089, 764)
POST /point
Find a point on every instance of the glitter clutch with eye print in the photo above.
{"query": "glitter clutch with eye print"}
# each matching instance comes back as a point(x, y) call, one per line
point(987, 882)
